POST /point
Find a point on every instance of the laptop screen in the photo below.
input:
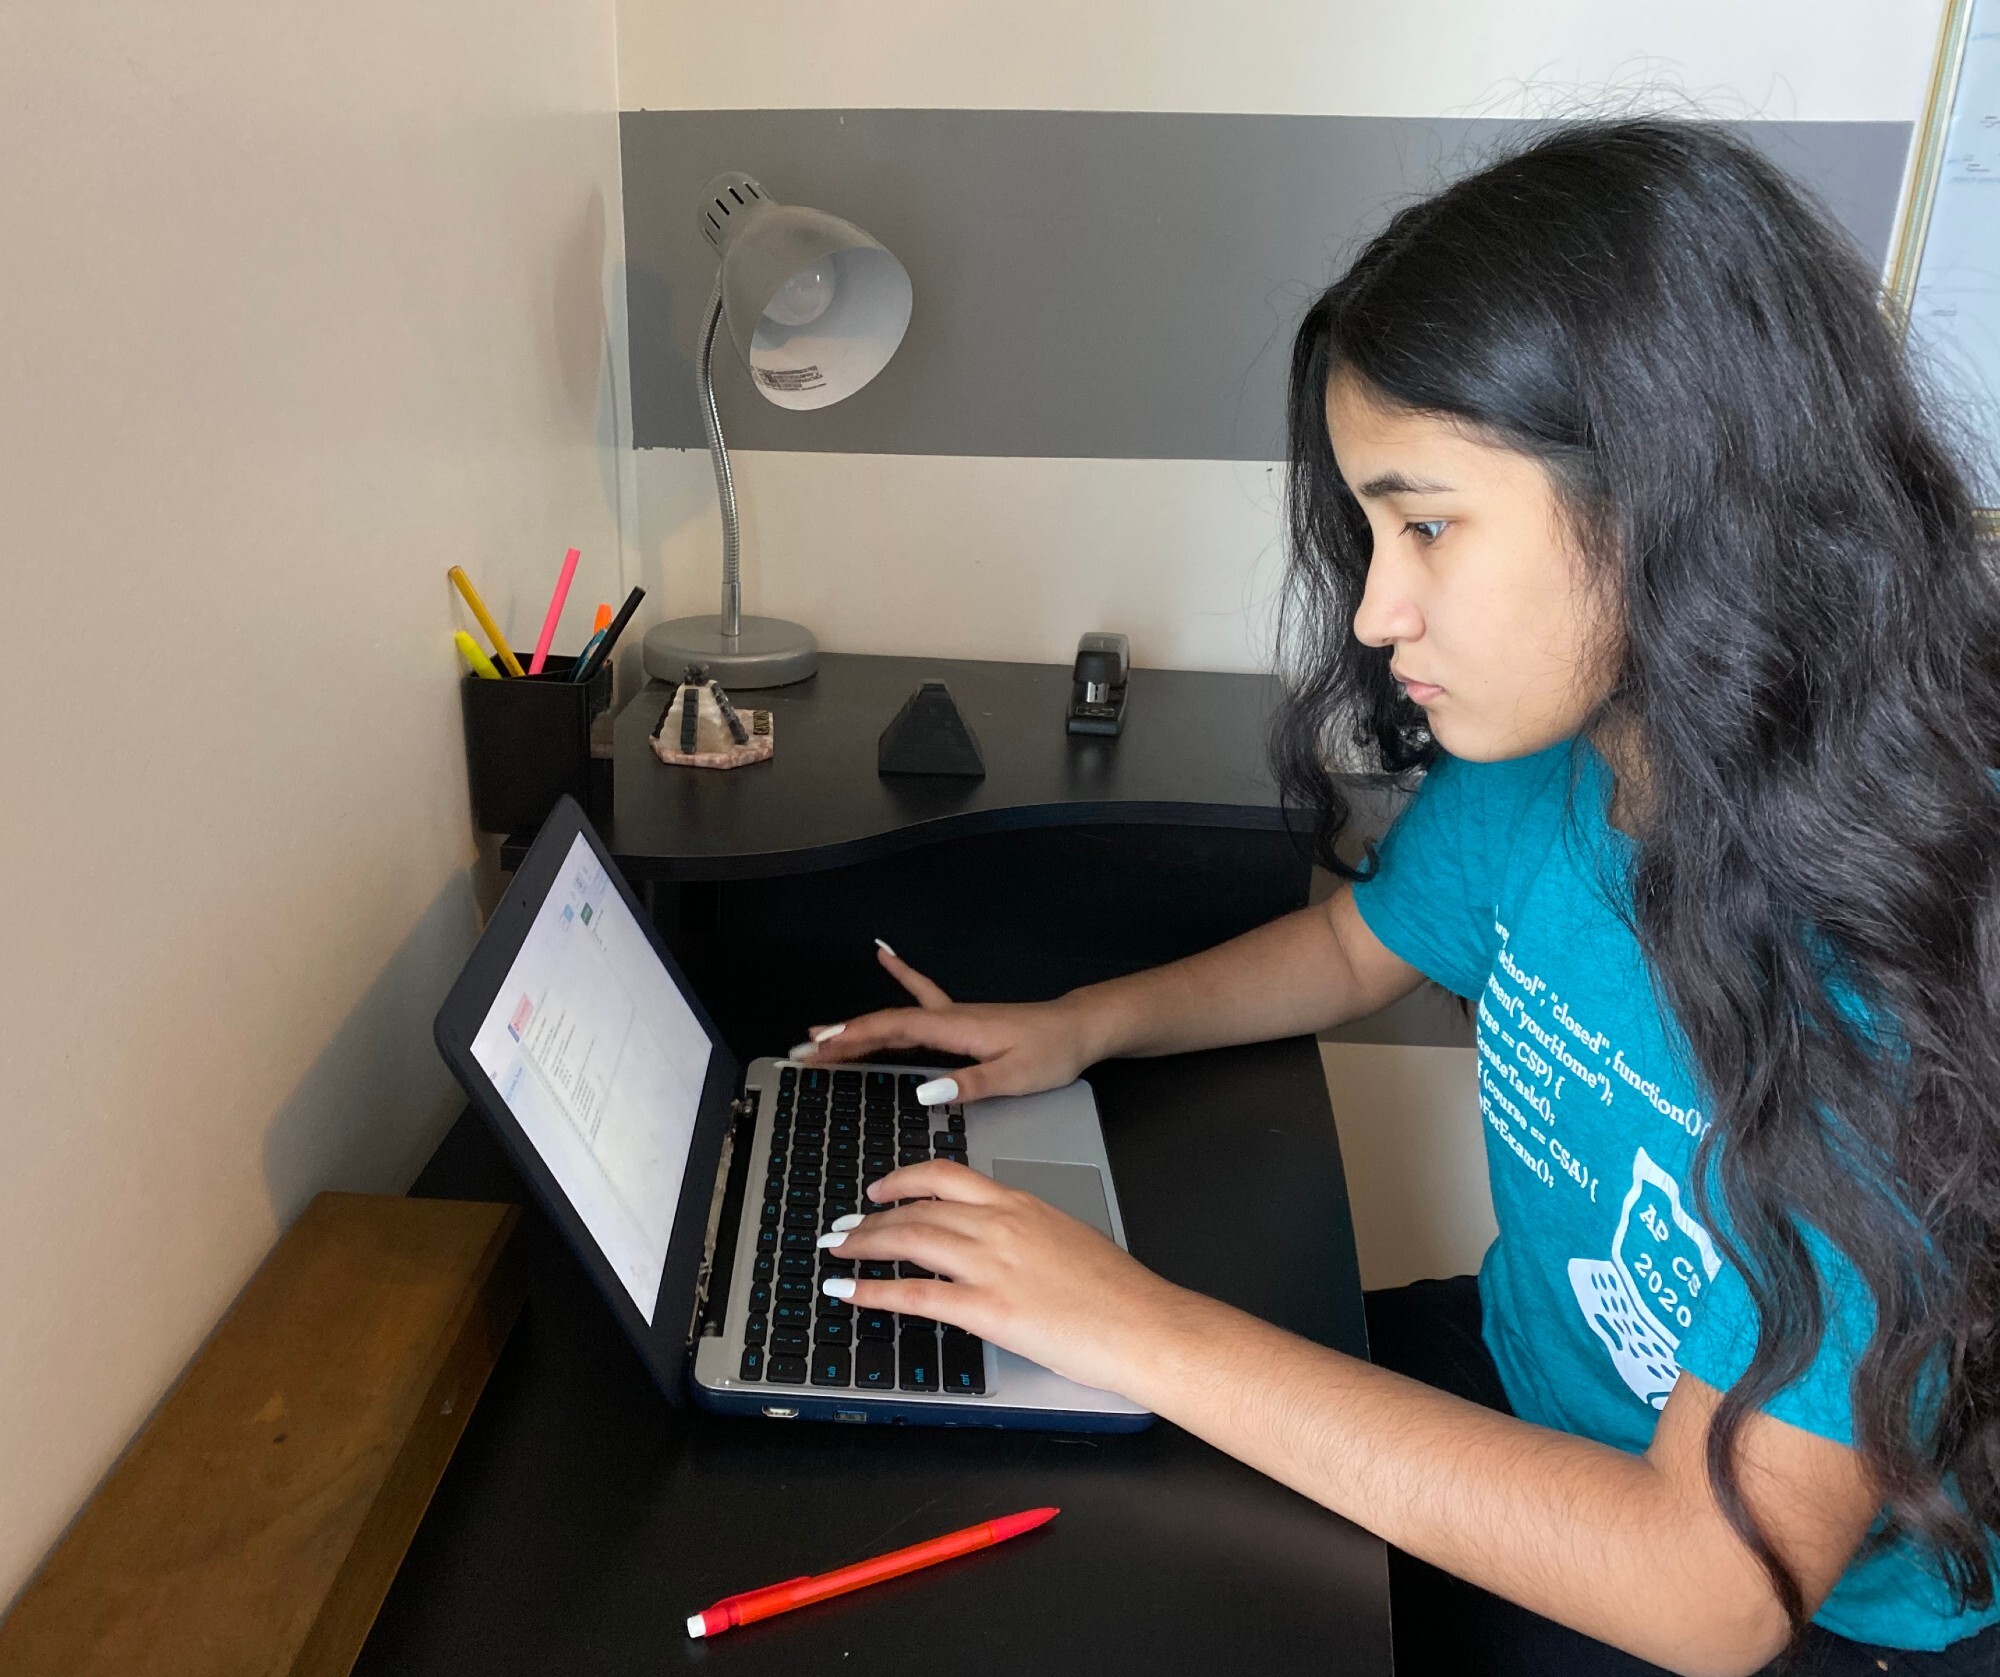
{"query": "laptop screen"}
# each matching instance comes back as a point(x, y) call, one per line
point(601, 1062)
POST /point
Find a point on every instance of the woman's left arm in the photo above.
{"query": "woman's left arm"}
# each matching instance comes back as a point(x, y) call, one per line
point(1632, 1550)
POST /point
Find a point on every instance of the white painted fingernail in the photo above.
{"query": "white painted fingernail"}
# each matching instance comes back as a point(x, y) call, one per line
point(852, 1220)
point(833, 1239)
point(826, 1032)
point(802, 1051)
point(886, 950)
point(937, 1091)
point(837, 1287)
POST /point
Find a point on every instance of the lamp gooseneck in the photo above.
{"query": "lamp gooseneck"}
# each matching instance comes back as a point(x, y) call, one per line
point(725, 480)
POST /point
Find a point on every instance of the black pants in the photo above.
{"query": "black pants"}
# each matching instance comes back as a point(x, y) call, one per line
point(1445, 1627)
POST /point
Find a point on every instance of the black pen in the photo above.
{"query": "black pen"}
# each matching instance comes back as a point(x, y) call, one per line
point(595, 659)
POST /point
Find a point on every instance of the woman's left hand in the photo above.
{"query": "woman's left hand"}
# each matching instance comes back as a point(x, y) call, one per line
point(1022, 1274)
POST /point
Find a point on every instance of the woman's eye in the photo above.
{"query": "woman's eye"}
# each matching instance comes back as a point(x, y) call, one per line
point(1426, 530)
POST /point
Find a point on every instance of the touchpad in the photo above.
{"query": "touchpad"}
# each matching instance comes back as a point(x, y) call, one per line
point(1077, 1189)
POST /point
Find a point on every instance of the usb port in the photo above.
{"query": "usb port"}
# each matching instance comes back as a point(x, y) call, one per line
point(858, 1416)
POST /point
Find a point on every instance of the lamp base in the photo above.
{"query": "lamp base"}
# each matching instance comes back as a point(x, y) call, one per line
point(769, 652)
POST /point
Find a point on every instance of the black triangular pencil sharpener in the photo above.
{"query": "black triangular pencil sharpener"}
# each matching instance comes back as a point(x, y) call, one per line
point(929, 736)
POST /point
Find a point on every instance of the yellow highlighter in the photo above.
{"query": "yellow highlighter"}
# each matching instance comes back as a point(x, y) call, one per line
point(482, 666)
point(508, 661)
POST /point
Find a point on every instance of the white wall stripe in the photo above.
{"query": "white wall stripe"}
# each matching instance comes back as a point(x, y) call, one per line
point(979, 556)
point(1814, 60)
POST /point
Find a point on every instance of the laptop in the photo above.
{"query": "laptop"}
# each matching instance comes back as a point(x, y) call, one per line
point(694, 1191)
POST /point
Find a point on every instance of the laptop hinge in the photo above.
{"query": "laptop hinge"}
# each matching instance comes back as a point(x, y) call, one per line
point(742, 1115)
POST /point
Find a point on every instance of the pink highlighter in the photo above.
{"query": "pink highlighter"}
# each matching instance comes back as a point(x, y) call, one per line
point(549, 623)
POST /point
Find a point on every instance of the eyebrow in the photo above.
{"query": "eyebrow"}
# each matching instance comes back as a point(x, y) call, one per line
point(1394, 483)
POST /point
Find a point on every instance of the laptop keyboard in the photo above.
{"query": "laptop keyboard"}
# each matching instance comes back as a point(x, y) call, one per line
point(834, 1130)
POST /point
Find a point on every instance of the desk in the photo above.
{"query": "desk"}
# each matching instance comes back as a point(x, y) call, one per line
point(583, 1519)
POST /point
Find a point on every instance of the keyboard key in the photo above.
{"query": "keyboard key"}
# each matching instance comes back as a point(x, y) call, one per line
point(875, 1365)
point(753, 1364)
point(964, 1359)
point(833, 1330)
point(768, 1217)
point(835, 1307)
point(774, 1187)
point(796, 1240)
point(831, 1264)
point(879, 1083)
point(788, 1077)
point(878, 1269)
point(805, 1176)
point(831, 1366)
point(848, 1077)
point(762, 1269)
point(944, 1138)
point(760, 1296)
point(874, 1324)
point(843, 1149)
point(795, 1263)
point(813, 1078)
point(916, 1362)
point(921, 1324)
point(806, 1194)
point(790, 1342)
point(913, 1155)
point(786, 1371)
point(844, 1129)
point(791, 1291)
point(836, 1207)
point(878, 1129)
point(776, 1167)
point(801, 1217)
point(754, 1330)
point(791, 1315)
point(767, 1240)
point(957, 1123)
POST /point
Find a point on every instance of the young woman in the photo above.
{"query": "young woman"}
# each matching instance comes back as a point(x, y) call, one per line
point(1614, 507)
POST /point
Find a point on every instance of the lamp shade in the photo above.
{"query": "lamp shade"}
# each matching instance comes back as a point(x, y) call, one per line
point(814, 306)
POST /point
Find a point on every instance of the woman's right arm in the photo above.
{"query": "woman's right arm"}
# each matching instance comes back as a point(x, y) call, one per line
point(1299, 975)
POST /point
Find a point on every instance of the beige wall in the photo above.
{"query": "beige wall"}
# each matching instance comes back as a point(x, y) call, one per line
point(302, 304)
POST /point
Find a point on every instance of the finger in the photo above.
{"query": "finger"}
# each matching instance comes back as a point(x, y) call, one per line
point(947, 1032)
point(927, 993)
point(942, 1301)
point(929, 1245)
point(941, 1179)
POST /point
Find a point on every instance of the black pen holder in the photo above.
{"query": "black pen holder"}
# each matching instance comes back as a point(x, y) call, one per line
point(528, 740)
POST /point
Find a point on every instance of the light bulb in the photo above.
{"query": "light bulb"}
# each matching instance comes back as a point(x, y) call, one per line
point(804, 297)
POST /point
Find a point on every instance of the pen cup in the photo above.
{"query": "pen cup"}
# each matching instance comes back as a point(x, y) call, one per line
point(528, 740)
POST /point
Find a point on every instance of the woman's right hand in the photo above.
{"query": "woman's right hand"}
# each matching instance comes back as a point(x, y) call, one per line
point(1018, 1047)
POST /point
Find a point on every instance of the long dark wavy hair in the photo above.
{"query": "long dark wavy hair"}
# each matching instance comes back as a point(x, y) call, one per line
point(1808, 664)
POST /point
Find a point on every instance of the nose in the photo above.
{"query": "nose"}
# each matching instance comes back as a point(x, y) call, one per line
point(1389, 613)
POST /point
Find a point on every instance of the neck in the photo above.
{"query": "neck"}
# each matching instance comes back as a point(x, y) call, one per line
point(1617, 741)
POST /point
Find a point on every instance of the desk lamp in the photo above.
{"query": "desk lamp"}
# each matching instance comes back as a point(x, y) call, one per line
point(815, 307)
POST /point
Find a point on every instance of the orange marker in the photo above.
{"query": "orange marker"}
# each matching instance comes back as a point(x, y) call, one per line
point(603, 621)
point(733, 1610)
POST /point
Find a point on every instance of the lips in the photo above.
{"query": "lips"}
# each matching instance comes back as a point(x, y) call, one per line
point(1419, 692)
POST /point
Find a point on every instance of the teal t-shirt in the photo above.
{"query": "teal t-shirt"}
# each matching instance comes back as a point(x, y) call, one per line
point(1503, 882)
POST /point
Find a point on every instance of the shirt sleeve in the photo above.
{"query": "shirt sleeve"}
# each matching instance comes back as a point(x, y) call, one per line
point(1719, 1346)
point(1435, 892)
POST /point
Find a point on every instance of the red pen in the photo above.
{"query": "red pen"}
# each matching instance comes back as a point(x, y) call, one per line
point(773, 1599)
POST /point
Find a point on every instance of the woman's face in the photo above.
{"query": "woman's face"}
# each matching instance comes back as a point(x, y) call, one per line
point(1475, 585)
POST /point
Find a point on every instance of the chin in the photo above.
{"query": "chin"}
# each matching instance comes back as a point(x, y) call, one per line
point(1462, 737)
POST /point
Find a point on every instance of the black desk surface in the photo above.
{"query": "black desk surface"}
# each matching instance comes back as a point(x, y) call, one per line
point(583, 1519)
point(1192, 753)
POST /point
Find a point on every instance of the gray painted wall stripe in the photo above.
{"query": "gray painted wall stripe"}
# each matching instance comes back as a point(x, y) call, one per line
point(1108, 284)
